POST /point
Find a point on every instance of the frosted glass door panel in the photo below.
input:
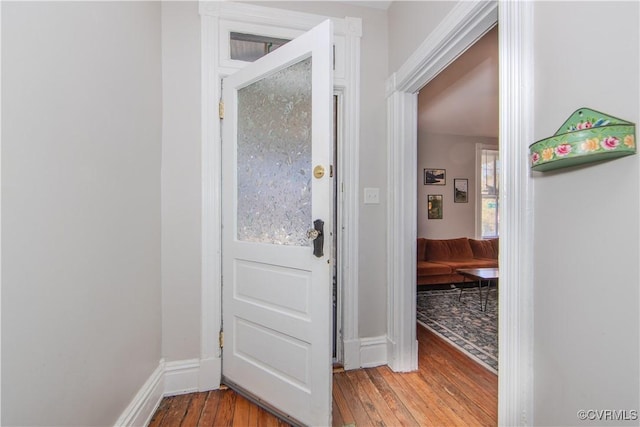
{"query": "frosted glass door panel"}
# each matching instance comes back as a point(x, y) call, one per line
point(274, 158)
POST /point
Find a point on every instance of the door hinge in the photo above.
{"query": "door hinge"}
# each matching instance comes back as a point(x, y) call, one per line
point(221, 110)
point(221, 339)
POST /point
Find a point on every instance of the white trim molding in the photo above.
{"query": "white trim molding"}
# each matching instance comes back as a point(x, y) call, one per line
point(466, 22)
point(218, 19)
point(146, 401)
point(462, 27)
point(181, 376)
point(515, 381)
point(349, 173)
point(373, 351)
point(402, 108)
point(211, 304)
point(168, 379)
point(0, 210)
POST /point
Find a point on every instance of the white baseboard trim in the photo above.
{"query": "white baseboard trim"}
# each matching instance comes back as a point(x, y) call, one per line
point(210, 374)
point(373, 351)
point(170, 379)
point(146, 401)
point(351, 354)
point(191, 375)
point(181, 376)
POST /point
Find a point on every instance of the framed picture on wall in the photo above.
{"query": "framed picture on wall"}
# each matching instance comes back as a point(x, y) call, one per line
point(460, 190)
point(435, 176)
point(434, 209)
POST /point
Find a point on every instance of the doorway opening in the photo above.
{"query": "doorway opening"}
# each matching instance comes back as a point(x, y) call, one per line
point(466, 23)
point(457, 119)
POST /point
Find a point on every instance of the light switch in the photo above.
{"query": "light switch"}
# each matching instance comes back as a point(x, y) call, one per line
point(371, 196)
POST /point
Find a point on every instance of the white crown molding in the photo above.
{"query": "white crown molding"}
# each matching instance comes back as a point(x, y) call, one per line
point(271, 16)
point(458, 30)
point(353, 27)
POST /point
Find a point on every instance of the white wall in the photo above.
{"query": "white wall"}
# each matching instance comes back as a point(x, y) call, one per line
point(410, 22)
point(81, 141)
point(587, 325)
point(181, 181)
point(456, 154)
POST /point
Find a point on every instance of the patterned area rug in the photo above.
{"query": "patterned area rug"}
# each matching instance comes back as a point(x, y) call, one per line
point(462, 323)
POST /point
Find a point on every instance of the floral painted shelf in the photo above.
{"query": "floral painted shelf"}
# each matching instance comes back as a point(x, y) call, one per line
point(587, 136)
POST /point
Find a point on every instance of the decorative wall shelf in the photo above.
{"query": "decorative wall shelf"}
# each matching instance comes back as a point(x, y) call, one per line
point(587, 136)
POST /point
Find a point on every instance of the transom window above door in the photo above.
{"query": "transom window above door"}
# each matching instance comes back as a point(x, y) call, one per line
point(250, 47)
point(240, 43)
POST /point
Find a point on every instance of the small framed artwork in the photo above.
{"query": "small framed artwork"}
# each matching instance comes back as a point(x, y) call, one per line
point(435, 176)
point(434, 209)
point(460, 190)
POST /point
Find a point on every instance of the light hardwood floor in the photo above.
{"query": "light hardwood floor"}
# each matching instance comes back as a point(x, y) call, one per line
point(449, 389)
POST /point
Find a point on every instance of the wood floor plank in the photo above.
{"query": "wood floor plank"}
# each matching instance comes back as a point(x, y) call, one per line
point(272, 420)
point(267, 419)
point(422, 409)
point(177, 410)
point(226, 407)
point(467, 379)
point(336, 415)
point(156, 420)
point(454, 403)
point(372, 400)
point(448, 389)
point(449, 358)
point(210, 408)
point(194, 410)
point(241, 411)
point(360, 416)
point(391, 399)
point(341, 403)
point(253, 415)
point(464, 402)
point(438, 398)
point(453, 400)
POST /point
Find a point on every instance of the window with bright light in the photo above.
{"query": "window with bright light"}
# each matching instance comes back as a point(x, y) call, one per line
point(488, 200)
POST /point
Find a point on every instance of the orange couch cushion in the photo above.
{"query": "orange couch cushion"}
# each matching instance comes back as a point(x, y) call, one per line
point(472, 263)
point(422, 243)
point(426, 268)
point(484, 248)
point(447, 249)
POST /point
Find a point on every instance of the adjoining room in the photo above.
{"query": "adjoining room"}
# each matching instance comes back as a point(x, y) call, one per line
point(458, 201)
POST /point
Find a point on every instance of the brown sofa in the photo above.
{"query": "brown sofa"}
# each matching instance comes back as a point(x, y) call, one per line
point(438, 259)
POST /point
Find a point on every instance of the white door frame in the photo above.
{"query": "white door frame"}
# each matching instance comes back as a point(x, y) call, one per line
point(217, 20)
point(459, 29)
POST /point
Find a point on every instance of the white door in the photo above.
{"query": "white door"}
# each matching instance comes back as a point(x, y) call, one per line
point(276, 292)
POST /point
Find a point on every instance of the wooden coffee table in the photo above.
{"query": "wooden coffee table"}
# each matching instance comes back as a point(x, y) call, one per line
point(488, 275)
